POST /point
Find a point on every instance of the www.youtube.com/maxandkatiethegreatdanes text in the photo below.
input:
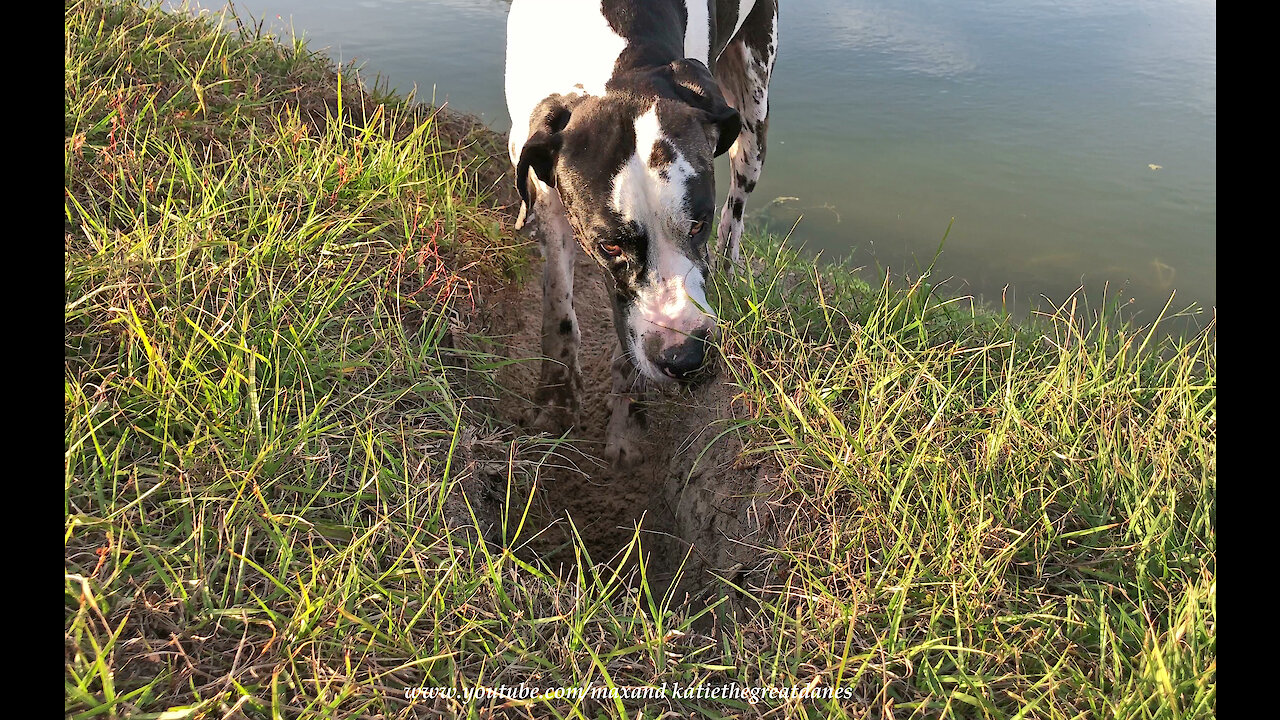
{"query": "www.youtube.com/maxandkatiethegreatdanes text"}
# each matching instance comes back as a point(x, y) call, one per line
point(724, 691)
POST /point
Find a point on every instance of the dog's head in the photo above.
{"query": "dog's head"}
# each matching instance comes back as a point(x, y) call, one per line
point(634, 171)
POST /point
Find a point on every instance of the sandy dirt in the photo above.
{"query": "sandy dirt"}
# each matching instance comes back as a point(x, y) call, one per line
point(693, 498)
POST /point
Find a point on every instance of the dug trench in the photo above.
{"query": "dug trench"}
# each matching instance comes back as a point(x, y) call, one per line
point(701, 508)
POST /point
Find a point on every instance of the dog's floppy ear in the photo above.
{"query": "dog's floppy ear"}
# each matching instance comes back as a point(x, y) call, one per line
point(541, 150)
point(696, 86)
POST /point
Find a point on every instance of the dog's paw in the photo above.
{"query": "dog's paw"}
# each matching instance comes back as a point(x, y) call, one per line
point(555, 407)
point(555, 404)
point(623, 446)
point(726, 264)
point(551, 419)
point(622, 453)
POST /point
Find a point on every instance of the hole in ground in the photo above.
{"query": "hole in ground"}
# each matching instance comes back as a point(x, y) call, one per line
point(702, 513)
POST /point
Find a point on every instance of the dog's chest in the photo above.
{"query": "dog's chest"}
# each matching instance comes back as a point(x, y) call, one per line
point(574, 46)
point(560, 47)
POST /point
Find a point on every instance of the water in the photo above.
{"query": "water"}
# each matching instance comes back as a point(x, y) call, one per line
point(1072, 141)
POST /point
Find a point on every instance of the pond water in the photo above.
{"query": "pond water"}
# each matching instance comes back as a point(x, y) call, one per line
point(1072, 141)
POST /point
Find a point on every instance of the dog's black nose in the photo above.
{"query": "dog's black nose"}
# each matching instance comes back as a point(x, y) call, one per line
point(683, 360)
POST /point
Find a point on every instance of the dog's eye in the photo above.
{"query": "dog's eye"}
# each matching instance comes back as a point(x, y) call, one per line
point(610, 249)
point(696, 228)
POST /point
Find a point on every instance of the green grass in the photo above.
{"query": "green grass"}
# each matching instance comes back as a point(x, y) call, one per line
point(273, 440)
point(997, 522)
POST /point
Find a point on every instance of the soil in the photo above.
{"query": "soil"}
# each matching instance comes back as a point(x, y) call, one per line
point(693, 499)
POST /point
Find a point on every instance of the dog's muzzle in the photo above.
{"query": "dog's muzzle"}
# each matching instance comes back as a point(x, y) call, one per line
point(684, 360)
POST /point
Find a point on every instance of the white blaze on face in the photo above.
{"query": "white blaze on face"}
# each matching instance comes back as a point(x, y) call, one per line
point(670, 301)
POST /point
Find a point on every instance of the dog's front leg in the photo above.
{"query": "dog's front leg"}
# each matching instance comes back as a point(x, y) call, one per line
point(627, 422)
point(560, 385)
point(743, 71)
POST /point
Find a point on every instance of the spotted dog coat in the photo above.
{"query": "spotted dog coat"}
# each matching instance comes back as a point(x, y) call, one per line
point(618, 108)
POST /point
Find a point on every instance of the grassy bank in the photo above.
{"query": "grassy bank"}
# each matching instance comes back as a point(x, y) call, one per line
point(274, 429)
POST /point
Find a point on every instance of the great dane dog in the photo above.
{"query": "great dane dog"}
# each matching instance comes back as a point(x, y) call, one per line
point(618, 107)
